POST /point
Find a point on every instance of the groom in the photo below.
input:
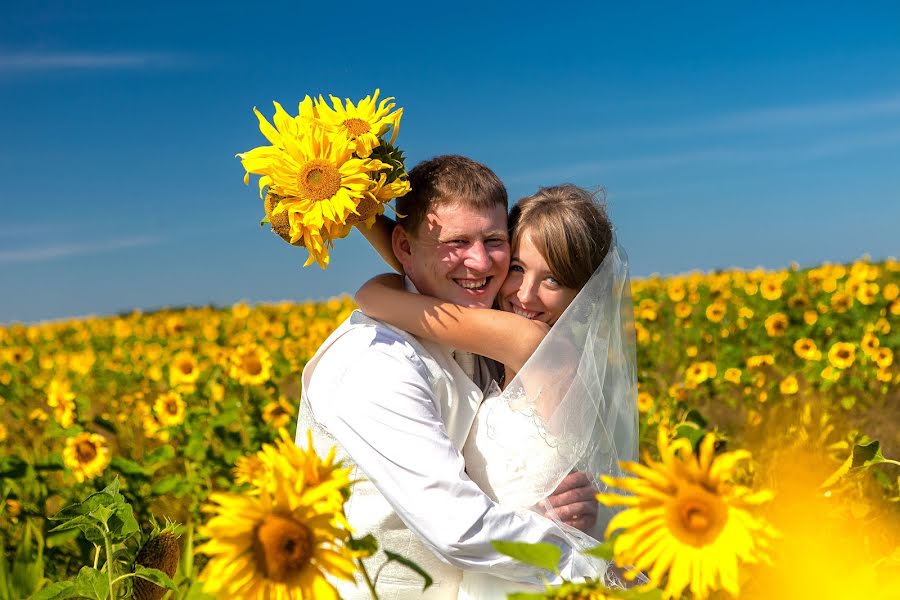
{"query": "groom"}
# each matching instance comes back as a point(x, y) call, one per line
point(400, 408)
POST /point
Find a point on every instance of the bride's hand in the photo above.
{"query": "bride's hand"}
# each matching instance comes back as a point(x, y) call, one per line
point(575, 502)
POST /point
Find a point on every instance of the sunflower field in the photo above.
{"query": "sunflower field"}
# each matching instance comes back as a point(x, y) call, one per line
point(784, 382)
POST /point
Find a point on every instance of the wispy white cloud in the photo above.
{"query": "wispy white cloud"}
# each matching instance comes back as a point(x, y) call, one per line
point(779, 117)
point(53, 252)
point(23, 62)
point(820, 149)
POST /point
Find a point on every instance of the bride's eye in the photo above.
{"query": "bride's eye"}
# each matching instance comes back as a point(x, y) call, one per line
point(553, 282)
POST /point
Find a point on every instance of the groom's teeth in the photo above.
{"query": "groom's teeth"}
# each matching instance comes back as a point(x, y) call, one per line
point(473, 284)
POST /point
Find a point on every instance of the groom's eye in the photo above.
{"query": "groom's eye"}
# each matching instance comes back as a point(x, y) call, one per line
point(496, 242)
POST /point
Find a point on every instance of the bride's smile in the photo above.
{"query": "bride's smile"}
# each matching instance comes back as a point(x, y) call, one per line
point(530, 289)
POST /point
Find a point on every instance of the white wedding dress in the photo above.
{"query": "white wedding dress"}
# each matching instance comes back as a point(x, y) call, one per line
point(499, 473)
point(572, 407)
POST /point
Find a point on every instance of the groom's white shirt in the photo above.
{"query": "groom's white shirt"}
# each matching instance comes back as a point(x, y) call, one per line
point(401, 409)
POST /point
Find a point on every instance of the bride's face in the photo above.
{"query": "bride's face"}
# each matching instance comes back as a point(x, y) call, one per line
point(530, 290)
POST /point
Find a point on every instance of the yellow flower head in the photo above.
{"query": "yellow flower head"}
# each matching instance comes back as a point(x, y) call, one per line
point(169, 409)
point(842, 354)
point(320, 170)
point(183, 371)
point(278, 414)
point(733, 375)
point(806, 349)
point(760, 360)
point(250, 365)
point(363, 123)
point(776, 325)
point(770, 288)
point(687, 519)
point(789, 385)
point(644, 402)
point(282, 541)
point(86, 454)
point(869, 344)
point(61, 399)
point(715, 312)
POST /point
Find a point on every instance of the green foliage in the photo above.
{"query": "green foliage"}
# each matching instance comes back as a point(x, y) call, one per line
point(26, 573)
point(541, 555)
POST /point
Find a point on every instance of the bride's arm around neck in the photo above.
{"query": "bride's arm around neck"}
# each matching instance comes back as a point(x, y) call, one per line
point(502, 336)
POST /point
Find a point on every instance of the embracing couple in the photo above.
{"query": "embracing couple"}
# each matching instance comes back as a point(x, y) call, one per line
point(480, 396)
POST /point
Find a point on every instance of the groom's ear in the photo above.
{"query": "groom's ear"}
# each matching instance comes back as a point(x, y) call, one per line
point(400, 244)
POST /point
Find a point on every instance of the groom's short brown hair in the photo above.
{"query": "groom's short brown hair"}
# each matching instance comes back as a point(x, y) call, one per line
point(449, 179)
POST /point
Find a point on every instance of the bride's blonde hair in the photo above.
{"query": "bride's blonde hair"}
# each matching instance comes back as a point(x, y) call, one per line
point(568, 226)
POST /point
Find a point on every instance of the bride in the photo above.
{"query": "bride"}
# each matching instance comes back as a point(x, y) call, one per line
point(564, 335)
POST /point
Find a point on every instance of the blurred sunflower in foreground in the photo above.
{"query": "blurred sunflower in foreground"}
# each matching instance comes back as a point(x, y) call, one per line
point(283, 538)
point(687, 519)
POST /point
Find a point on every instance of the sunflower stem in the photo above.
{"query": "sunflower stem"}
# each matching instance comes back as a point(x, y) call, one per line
point(96, 555)
point(368, 579)
point(109, 565)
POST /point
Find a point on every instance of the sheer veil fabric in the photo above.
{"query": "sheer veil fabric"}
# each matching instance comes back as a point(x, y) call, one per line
point(572, 407)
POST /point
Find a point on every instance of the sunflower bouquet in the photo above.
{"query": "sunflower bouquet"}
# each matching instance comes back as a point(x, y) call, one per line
point(328, 169)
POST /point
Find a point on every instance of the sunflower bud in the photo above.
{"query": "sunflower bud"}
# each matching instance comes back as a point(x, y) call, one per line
point(162, 552)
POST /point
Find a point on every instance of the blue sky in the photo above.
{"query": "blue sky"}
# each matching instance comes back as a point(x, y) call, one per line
point(725, 135)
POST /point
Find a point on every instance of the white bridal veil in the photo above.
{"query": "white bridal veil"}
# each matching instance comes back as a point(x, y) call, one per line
point(573, 406)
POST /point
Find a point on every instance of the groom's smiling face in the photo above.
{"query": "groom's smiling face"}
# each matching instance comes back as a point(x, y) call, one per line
point(459, 254)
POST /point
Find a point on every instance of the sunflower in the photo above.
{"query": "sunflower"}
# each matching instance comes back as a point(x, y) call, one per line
point(770, 288)
point(884, 357)
point(683, 310)
point(250, 365)
point(688, 519)
point(841, 302)
point(842, 354)
point(733, 375)
point(890, 292)
point(318, 179)
point(776, 324)
point(760, 360)
point(86, 454)
point(789, 386)
point(280, 543)
point(249, 469)
point(169, 409)
point(278, 414)
point(328, 475)
point(715, 312)
point(869, 344)
point(806, 349)
point(362, 124)
point(644, 402)
point(183, 371)
point(61, 399)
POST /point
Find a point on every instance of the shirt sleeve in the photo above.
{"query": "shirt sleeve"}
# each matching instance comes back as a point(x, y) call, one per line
point(384, 413)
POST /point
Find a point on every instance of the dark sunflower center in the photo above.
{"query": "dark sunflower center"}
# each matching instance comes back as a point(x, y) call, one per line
point(319, 179)
point(252, 365)
point(357, 126)
point(86, 451)
point(186, 367)
point(171, 407)
point(696, 516)
point(282, 546)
